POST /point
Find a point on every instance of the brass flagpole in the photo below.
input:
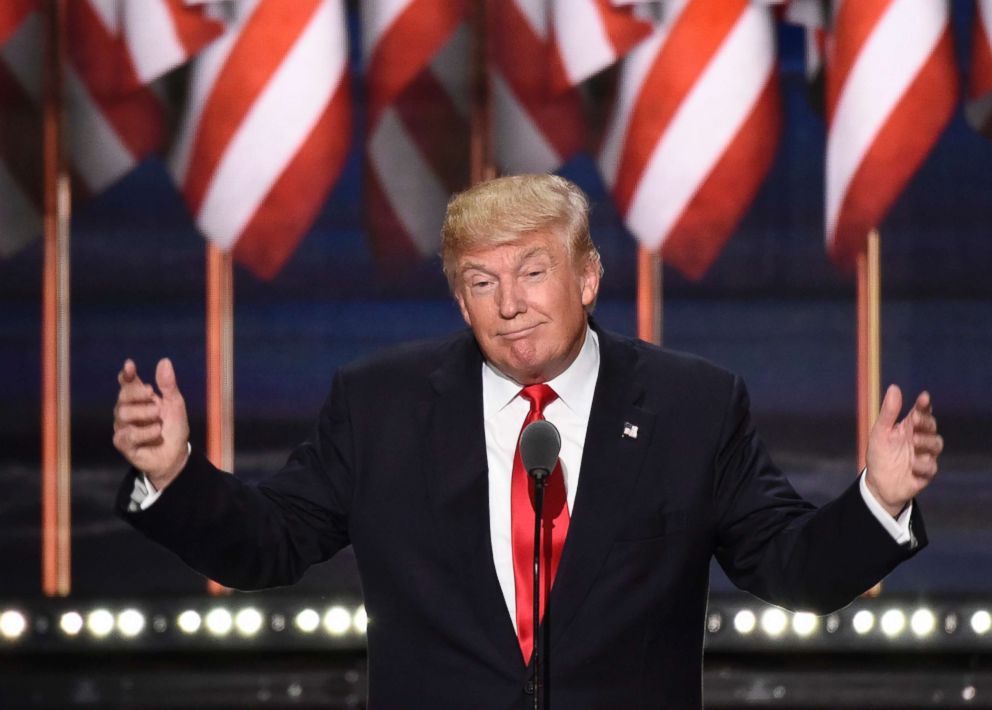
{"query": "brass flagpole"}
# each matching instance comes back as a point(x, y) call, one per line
point(869, 341)
point(55, 437)
point(482, 166)
point(220, 366)
point(650, 297)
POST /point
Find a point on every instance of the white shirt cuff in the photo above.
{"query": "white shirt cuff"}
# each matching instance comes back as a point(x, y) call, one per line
point(144, 494)
point(898, 527)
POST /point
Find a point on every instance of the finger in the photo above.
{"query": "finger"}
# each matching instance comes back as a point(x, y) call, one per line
point(139, 436)
point(924, 422)
point(924, 403)
point(135, 392)
point(128, 373)
point(891, 406)
point(138, 414)
point(165, 378)
point(925, 467)
point(928, 444)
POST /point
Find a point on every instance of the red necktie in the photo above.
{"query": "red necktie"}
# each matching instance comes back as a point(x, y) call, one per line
point(554, 526)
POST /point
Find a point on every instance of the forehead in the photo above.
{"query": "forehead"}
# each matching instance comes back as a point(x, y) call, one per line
point(514, 252)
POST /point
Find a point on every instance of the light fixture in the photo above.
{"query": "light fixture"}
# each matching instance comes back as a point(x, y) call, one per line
point(100, 622)
point(922, 622)
point(130, 622)
point(981, 622)
point(248, 621)
point(863, 622)
point(744, 621)
point(307, 621)
point(12, 624)
point(774, 621)
point(71, 623)
point(893, 622)
point(804, 623)
point(361, 620)
point(189, 622)
point(219, 621)
point(337, 620)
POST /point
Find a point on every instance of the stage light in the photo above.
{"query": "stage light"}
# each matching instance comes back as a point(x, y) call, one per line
point(922, 622)
point(774, 621)
point(804, 623)
point(863, 622)
point(361, 620)
point(337, 621)
point(744, 621)
point(71, 623)
point(893, 622)
point(189, 622)
point(248, 621)
point(130, 622)
point(968, 693)
point(100, 622)
point(12, 624)
point(981, 622)
point(307, 621)
point(219, 622)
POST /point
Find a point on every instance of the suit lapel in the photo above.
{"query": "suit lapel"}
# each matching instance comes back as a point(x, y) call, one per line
point(457, 478)
point(610, 464)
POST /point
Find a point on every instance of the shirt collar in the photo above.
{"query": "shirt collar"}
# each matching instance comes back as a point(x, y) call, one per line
point(575, 386)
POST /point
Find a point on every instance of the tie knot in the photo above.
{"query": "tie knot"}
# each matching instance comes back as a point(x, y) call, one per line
point(539, 397)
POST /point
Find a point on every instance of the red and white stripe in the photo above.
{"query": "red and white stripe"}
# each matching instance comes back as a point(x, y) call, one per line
point(266, 127)
point(114, 119)
point(416, 155)
point(978, 110)
point(891, 88)
point(535, 129)
point(12, 14)
point(695, 128)
point(591, 35)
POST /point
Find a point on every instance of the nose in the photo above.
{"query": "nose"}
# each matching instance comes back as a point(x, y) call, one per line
point(511, 301)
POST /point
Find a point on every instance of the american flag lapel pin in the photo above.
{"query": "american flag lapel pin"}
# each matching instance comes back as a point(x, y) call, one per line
point(629, 431)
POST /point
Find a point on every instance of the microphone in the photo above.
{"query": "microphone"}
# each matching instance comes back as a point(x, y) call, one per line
point(540, 443)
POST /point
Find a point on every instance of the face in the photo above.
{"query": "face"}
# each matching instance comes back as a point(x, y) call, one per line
point(526, 304)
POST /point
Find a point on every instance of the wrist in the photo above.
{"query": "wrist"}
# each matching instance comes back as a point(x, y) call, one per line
point(893, 508)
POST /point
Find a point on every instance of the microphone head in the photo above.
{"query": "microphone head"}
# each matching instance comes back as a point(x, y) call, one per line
point(539, 447)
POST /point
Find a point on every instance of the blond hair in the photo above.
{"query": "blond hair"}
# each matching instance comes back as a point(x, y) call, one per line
point(501, 210)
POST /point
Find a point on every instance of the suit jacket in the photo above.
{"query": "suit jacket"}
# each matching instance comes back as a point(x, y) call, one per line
point(397, 468)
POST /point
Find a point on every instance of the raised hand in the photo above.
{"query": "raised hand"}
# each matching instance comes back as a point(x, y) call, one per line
point(902, 456)
point(151, 430)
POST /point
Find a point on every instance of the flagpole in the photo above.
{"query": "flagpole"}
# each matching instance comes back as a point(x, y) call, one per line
point(650, 296)
point(869, 341)
point(482, 166)
point(220, 366)
point(55, 436)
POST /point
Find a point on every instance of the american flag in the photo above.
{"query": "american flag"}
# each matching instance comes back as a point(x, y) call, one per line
point(266, 126)
point(891, 89)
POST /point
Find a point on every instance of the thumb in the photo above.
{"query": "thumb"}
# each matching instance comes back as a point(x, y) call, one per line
point(165, 378)
point(891, 406)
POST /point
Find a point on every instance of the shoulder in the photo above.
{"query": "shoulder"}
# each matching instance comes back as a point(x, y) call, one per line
point(662, 367)
point(409, 366)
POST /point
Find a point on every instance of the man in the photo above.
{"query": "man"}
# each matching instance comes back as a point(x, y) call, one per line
point(413, 462)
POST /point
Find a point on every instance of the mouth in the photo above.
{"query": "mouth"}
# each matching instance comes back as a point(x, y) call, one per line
point(520, 333)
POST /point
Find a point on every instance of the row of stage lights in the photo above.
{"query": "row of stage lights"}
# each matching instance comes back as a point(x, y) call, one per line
point(341, 621)
point(892, 623)
point(130, 623)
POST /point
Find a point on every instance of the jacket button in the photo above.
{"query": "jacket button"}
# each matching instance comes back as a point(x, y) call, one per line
point(529, 687)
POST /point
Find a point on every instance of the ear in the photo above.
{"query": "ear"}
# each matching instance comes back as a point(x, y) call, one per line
point(589, 281)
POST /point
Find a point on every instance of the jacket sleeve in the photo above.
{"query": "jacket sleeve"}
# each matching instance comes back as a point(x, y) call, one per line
point(251, 537)
point(781, 548)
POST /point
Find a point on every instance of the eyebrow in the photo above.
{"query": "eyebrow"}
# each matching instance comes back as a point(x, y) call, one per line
point(532, 252)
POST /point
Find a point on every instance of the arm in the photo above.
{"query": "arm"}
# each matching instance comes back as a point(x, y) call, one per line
point(252, 537)
point(781, 548)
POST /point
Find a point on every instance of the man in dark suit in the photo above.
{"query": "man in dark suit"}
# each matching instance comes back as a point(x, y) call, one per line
point(413, 462)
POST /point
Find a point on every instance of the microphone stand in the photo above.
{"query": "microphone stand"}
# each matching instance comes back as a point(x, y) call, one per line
point(540, 476)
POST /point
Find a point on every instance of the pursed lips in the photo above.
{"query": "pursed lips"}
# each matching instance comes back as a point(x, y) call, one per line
point(518, 334)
